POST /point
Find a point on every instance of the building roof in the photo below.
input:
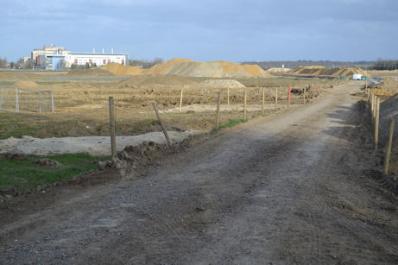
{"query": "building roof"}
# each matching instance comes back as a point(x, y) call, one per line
point(96, 54)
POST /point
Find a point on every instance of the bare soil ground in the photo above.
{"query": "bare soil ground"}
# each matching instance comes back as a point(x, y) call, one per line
point(81, 107)
point(292, 188)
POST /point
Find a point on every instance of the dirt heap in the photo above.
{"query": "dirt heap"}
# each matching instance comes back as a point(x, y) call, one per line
point(90, 72)
point(157, 81)
point(118, 69)
point(222, 83)
point(317, 70)
point(277, 70)
point(217, 69)
point(24, 84)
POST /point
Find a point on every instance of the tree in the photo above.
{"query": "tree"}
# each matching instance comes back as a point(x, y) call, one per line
point(3, 63)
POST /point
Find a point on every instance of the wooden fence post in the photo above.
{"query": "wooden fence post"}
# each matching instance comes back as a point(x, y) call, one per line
point(276, 96)
point(245, 104)
point(263, 102)
point(17, 100)
point(389, 146)
point(218, 110)
point(181, 94)
point(166, 135)
point(304, 96)
point(376, 125)
point(228, 96)
point(289, 93)
point(112, 126)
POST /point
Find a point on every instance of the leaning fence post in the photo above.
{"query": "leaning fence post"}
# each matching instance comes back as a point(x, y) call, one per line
point(112, 126)
point(376, 126)
point(263, 102)
point(245, 105)
point(389, 147)
point(52, 102)
point(218, 110)
point(17, 100)
point(166, 135)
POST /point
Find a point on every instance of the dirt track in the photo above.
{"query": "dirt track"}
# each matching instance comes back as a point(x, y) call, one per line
point(287, 189)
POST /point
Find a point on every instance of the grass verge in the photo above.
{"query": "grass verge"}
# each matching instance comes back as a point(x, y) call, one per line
point(22, 174)
point(232, 123)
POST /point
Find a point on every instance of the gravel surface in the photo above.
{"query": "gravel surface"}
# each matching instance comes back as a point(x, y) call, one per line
point(286, 189)
point(93, 145)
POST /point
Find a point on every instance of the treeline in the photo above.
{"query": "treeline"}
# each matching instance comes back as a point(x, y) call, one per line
point(19, 64)
point(386, 65)
point(145, 63)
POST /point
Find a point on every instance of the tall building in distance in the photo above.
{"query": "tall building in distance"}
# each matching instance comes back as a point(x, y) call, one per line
point(57, 58)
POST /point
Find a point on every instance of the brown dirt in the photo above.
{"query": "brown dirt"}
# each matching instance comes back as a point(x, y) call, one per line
point(26, 84)
point(323, 71)
point(189, 68)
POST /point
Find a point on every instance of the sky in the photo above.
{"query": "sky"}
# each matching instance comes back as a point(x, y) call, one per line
point(235, 30)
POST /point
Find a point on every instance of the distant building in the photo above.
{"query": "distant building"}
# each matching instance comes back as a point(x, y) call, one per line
point(57, 58)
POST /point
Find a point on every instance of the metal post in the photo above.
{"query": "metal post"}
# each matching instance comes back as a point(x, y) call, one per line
point(112, 126)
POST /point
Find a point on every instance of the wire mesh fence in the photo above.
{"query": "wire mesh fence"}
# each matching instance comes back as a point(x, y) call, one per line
point(26, 100)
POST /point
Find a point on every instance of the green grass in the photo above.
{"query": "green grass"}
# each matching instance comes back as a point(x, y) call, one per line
point(232, 123)
point(25, 174)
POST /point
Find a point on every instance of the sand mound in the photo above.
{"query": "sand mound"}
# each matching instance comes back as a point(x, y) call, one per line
point(277, 70)
point(219, 69)
point(26, 84)
point(321, 70)
point(222, 83)
point(118, 69)
point(90, 72)
point(189, 68)
point(157, 81)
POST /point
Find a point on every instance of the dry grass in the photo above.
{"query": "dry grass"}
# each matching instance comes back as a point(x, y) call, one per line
point(81, 103)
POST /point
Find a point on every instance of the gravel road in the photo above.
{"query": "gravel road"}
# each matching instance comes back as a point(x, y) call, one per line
point(292, 188)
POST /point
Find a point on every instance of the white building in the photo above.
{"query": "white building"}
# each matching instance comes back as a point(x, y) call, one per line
point(94, 59)
point(56, 58)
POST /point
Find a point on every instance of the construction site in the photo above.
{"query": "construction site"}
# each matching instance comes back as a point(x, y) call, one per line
point(177, 163)
point(212, 132)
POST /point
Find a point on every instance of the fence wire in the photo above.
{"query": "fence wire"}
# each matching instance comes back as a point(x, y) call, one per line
point(26, 100)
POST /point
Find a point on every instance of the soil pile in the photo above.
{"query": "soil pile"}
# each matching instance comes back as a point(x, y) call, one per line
point(157, 81)
point(189, 68)
point(25, 84)
point(118, 69)
point(321, 70)
point(218, 69)
point(222, 83)
point(278, 70)
point(90, 72)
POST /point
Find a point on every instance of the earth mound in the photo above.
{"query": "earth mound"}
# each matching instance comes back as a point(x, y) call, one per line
point(222, 83)
point(24, 84)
